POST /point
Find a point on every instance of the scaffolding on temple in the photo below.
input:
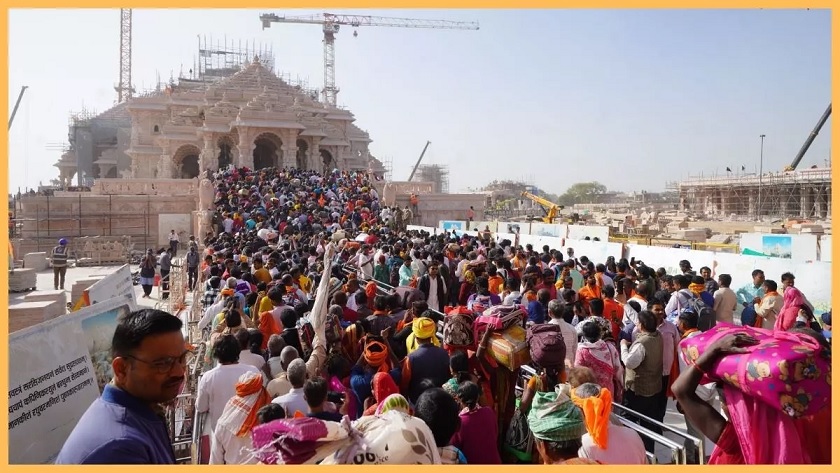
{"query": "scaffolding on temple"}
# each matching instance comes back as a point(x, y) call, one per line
point(437, 174)
point(805, 194)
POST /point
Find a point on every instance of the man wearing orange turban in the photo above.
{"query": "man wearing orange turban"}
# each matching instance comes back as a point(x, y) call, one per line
point(606, 442)
point(232, 437)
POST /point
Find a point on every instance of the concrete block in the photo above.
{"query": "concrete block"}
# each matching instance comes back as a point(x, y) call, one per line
point(79, 287)
point(22, 279)
point(47, 296)
point(27, 314)
point(37, 261)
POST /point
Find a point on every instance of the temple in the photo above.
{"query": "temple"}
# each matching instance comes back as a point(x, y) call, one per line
point(251, 118)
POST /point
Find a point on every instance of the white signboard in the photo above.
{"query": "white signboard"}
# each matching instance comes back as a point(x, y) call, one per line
point(116, 284)
point(59, 368)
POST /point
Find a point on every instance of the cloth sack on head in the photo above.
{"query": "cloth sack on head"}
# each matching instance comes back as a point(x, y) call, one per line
point(555, 418)
point(546, 344)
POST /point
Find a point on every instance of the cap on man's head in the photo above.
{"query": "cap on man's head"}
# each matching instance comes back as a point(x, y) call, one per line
point(826, 318)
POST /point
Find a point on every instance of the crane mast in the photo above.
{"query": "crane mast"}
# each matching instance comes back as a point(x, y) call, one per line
point(124, 89)
point(331, 24)
point(17, 104)
point(418, 161)
point(809, 140)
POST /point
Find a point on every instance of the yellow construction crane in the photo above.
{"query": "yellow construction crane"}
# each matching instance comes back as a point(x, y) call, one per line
point(331, 23)
point(550, 208)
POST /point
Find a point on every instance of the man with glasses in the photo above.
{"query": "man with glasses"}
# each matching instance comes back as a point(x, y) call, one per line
point(126, 424)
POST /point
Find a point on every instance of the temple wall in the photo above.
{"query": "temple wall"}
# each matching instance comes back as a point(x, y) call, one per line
point(432, 208)
point(46, 219)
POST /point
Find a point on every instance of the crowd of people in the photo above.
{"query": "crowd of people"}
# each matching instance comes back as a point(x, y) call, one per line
point(331, 326)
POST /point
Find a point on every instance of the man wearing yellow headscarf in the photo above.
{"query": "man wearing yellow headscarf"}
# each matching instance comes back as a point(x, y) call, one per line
point(605, 441)
point(427, 361)
point(422, 328)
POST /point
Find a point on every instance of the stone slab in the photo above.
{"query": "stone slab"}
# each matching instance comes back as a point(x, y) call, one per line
point(47, 296)
point(27, 314)
point(37, 261)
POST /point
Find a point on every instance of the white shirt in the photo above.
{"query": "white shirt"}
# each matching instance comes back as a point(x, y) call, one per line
point(228, 449)
point(725, 303)
point(216, 388)
point(275, 367)
point(632, 357)
point(570, 338)
point(276, 311)
point(293, 401)
point(351, 301)
point(228, 223)
point(245, 356)
point(432, 300)
point(624, 447)
point(366, 264)
point(173, 237)
point(459, 270)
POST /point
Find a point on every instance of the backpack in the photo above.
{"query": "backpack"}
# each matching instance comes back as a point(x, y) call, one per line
point(705, 316)
point(498, 318)
point(458, 328)
point(306, 333)
point(546, 344)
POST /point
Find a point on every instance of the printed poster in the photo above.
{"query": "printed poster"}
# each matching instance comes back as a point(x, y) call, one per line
point(59, 368)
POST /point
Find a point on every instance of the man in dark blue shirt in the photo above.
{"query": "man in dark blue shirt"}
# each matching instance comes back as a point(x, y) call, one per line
point(125, 425)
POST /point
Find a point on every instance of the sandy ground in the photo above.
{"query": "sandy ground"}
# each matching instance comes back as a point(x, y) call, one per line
point(45, 282)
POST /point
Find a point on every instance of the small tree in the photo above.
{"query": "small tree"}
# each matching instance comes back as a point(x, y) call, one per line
point(583, 193)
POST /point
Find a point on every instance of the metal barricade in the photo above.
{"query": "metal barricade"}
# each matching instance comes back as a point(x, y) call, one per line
point(699, 443)
point(678, 454)
point(198, 428)
point(180, 418)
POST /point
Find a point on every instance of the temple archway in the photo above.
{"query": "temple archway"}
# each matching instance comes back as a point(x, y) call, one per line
point(267, 150)
point(303, 149)
point(185, 162)
point(225, 149)
point(328, 161)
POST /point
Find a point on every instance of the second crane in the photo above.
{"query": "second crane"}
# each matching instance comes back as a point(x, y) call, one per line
point(331, 24)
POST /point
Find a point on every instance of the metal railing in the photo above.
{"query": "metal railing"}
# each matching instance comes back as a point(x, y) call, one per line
point(678, 453)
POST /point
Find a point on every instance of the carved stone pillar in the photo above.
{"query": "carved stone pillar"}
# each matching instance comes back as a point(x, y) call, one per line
point(206, 161)
point(164, 167)
point(246, 150)
point(314, 157)
point(340, 154)
point(289, 158)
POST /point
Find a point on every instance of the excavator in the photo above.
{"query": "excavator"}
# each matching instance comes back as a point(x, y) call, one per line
point(550, 208)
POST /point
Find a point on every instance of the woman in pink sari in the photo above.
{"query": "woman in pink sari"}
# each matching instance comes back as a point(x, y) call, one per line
point(754, 433)
point(790, 309)
point(602, 358)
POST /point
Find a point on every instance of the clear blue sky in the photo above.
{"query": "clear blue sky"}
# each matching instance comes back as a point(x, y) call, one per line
point(629, 98)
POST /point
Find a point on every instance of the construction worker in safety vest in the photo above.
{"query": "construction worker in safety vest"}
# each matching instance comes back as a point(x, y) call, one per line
point(58, 260)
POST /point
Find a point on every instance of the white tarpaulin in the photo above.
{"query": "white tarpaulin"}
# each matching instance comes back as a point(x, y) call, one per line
point(57, 370)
